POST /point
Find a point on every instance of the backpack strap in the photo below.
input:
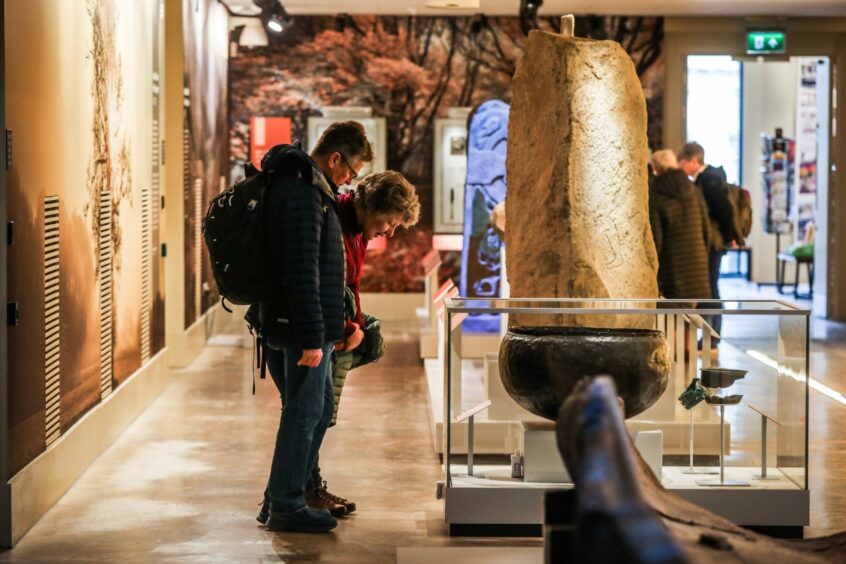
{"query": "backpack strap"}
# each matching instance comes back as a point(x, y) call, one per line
point(252, 368)
point(260, 356)
point(263, 357)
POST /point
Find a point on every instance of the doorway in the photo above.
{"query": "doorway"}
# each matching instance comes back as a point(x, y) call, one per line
point(771, 135)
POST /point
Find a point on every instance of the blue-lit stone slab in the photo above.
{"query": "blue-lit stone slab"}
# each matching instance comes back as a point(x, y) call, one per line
point(484, 189)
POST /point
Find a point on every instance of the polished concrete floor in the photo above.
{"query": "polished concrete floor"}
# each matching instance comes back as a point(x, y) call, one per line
point(183, 483)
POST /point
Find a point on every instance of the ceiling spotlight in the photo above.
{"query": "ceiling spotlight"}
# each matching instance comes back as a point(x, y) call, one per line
point(273, 15)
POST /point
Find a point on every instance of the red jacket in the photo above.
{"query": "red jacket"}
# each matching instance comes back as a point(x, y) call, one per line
point(355, 247)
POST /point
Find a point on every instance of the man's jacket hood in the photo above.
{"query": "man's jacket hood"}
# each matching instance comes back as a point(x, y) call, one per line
point(716, 171)
point(290, 158)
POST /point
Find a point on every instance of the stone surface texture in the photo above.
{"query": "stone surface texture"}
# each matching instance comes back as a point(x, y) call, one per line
point(577, 206)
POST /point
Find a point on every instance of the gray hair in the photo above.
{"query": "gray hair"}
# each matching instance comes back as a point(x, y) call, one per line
point(663, 160)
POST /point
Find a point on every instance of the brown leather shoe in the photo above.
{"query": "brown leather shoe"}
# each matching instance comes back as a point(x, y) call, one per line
point(349, 505)
point(316, 499)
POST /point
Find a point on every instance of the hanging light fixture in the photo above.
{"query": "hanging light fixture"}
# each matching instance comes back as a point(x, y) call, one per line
point(529, 14)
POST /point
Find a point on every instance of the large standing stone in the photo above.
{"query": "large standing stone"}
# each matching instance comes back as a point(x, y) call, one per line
point(577, 205)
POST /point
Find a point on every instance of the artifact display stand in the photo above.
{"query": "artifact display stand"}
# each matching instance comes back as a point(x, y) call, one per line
point(764, 418)
point(691, 469)
point(470, 416)
point(717, 378)
point(490, 499)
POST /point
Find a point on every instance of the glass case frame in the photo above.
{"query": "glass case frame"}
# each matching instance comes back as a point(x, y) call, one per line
point(793, 324)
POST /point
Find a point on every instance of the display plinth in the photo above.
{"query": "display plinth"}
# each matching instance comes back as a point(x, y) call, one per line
point(492, 499)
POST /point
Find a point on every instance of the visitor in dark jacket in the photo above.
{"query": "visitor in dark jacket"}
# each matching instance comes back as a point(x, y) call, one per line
point(711, 181)
point(381, 202)
point(680, 228)
point(305, 317)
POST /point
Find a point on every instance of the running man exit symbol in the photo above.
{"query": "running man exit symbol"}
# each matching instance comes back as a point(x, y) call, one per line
point(765, 42)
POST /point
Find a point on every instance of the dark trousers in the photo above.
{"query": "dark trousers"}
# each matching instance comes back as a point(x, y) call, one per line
point(715, 258)
point(308, 405)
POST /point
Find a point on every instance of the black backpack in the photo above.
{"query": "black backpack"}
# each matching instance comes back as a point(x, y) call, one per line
point(233, 229)
point(742, 208)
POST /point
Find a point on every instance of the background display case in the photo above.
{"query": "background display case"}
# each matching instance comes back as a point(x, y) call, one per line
point(751, 467)
point(450, 160)
point(374, 126)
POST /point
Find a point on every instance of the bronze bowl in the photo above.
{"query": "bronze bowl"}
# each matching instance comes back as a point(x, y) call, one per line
point(540, 366)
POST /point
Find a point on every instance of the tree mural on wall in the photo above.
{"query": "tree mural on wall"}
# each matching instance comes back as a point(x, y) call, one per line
point(109, 164)
point(409, 70)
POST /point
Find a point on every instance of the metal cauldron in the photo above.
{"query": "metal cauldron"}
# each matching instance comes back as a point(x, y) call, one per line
point(540, 366)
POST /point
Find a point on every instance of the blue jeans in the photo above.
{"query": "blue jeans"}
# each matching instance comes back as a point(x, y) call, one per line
point(309, 401)
point(715, 258)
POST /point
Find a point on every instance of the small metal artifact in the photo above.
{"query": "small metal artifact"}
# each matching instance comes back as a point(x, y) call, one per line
point(694, 394)
point(724, 400)
point(721, 377)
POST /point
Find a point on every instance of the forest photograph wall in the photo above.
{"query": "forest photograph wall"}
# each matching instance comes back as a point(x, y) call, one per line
point(410, 71)
point(205, 140)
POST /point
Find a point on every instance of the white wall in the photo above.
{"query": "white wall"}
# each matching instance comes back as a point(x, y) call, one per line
point(769, 101)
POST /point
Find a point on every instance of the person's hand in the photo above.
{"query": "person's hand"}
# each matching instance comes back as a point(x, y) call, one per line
point(311, 358)
point(354, 340)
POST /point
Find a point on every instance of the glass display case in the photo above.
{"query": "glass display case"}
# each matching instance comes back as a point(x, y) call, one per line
point(450, 170)
point(722, 420)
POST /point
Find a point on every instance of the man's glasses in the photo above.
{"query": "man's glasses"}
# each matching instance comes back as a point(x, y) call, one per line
point(353, 173)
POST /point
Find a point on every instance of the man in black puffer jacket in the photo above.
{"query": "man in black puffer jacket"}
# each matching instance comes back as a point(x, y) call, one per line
point(301, 321)
point(711, 181)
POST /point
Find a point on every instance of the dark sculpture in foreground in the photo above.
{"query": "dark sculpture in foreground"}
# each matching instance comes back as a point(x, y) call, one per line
point(624, 514)
point(540, 366)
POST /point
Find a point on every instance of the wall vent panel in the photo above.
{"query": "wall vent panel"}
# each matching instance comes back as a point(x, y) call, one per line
point(105, 269)
point(198, 246)
point(145, 274)
point(52, 321)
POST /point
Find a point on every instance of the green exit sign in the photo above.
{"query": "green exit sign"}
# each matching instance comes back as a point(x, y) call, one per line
point(764, 42)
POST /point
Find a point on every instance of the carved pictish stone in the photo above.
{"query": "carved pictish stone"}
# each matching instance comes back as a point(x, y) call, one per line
point(577, 206)
point(484, 189)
